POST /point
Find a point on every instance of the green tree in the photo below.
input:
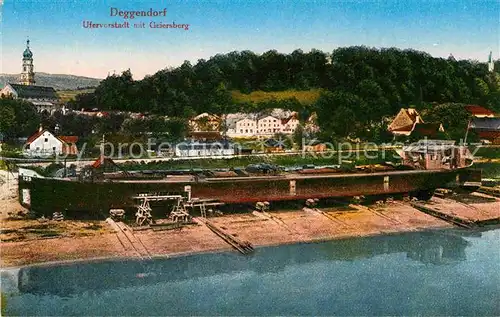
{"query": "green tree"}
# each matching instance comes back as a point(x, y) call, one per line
point(177, 129)
point(115, 92)
point(452, 116)
point(337, 113)
point(481, 88)
point(298, 136)
point(375, 103)
point(18, 118)
point(7, 118)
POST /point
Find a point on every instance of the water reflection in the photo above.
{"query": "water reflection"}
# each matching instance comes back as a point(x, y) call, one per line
point(435, 248)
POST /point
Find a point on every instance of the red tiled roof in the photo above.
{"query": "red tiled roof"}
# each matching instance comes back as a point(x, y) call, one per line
point(488, 134)
point(103, 161)
point(69, 138)
point(427, 129)
point(285, 121)
point(407, 128)
point(478, 110)
point(98, 162)
point(35, 136)
point(64, 139)
point(412, 114)
point(292, 116)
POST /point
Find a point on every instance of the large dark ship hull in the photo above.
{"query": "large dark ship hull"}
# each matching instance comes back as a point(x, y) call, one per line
point(47, 195)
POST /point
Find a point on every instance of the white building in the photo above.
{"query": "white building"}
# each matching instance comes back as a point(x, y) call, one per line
point(268, 125)
point(241, 125)
point(289, 125)
point(246, 127)
point(196, 149)
point(43, 143)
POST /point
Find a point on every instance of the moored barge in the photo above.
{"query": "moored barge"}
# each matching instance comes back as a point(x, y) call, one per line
point(425, 167)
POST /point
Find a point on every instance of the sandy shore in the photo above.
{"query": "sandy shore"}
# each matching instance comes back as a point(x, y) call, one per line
point(285, 227)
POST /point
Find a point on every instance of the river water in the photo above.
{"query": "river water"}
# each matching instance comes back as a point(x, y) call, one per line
point(449, 272)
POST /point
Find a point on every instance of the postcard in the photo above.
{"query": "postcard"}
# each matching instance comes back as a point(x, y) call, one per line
point(230, 157)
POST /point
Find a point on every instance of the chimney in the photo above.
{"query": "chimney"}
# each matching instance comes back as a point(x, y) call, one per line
point(40, 129)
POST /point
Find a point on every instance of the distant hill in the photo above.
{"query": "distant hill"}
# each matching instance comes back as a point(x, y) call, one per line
point(58, 81)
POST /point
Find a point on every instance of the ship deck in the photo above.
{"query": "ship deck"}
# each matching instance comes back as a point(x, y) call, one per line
point(291, 176)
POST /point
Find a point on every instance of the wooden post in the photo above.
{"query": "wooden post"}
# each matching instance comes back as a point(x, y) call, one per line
point(293, 187)
point(386, 183)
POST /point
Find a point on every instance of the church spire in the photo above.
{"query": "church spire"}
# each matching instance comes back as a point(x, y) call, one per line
point(27, 74)
point(491, 64)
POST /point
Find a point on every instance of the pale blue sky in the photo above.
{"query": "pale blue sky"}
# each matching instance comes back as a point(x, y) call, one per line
point(60, 44)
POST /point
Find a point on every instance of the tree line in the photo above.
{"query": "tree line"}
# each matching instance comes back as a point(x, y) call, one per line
point(361, 88)
point(364, 84)
point(388, 77)
point(20, 119)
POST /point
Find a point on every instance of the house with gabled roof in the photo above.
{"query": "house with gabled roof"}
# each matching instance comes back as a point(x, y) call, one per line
point(487, 129)
point(205, 122)
point(44, 143)
point(290, 124)
point(408, 122)
point(405, 121)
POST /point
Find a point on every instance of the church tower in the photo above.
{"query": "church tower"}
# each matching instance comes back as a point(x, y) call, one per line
point(491, 65)
point(27, 75)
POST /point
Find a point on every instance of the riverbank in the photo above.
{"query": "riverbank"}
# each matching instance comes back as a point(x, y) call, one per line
point(273, 228)
point(443, 272)
point(77, 241)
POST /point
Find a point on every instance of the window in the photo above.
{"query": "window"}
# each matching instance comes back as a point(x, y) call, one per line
point(241, 130)
point(46, 139)
point(54, 148)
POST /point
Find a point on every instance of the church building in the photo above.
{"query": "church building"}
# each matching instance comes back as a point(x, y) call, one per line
point(43, 98)
point(491, 64)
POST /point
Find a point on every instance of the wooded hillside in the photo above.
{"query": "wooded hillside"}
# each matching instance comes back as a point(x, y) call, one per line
point(363, 84)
